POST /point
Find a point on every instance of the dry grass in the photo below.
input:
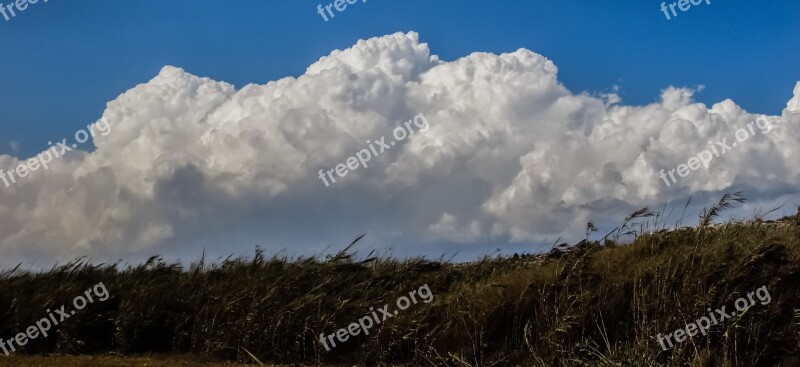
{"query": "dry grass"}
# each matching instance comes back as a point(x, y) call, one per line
point(109, 361)
point(594, 304)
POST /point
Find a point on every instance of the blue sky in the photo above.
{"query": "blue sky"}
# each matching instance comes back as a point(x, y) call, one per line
point(63, 60)
point(192, 165)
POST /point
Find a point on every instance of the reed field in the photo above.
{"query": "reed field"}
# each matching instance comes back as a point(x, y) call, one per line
point(596, 303)
point(110, 361)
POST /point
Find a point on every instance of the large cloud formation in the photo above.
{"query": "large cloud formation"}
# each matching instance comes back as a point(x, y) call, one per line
point(511, 156)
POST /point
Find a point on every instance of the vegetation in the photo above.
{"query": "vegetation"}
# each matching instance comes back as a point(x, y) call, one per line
point(598, 303)
point(108, 361)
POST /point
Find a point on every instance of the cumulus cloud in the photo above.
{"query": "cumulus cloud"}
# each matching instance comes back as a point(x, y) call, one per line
point(511, 155)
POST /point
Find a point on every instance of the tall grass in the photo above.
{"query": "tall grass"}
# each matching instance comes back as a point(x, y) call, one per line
point(597, 303)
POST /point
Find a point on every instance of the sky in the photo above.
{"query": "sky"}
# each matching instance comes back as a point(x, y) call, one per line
point(65, 62)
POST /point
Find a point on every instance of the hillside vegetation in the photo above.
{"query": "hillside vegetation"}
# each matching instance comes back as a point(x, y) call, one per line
point(597, 303)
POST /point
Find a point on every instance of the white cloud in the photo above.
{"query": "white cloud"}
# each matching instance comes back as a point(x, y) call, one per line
point(511, 155)
point(794, 104)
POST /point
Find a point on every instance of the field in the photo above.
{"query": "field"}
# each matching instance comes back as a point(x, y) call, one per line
point(597, 303)
point(108, 361)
